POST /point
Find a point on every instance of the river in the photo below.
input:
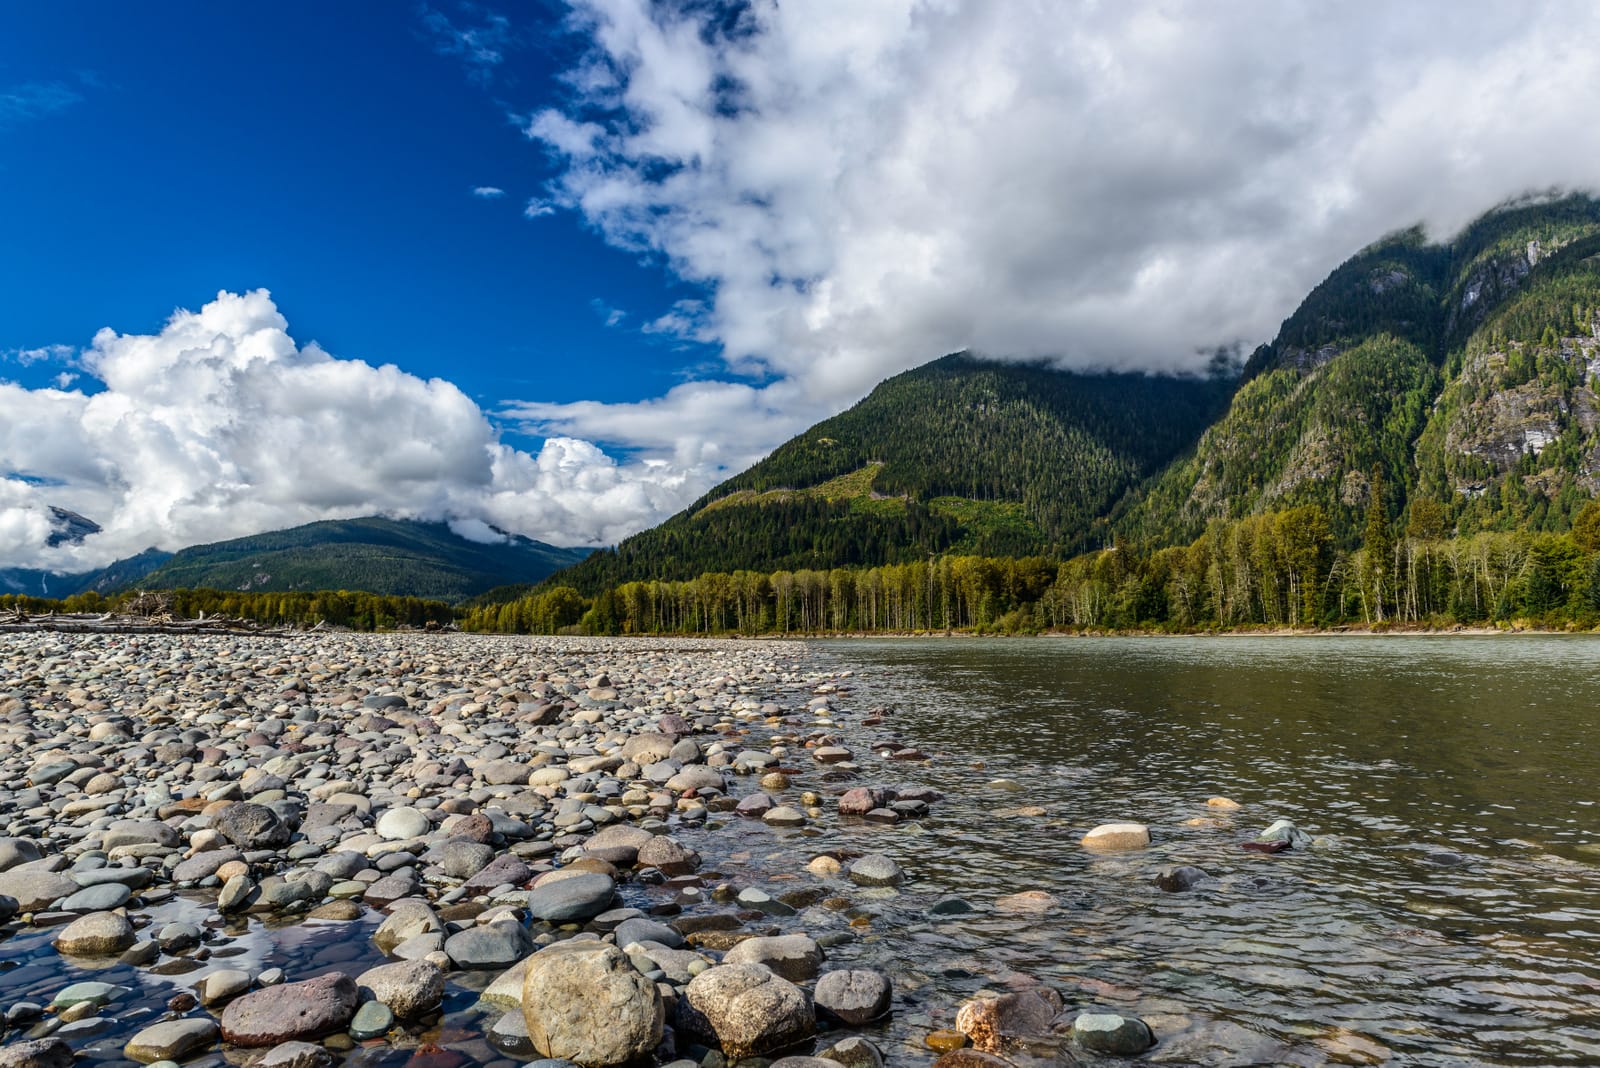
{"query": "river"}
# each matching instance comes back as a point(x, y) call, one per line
point(1450, 915)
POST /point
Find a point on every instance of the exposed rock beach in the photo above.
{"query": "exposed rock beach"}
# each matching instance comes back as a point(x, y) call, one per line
point(437, 850)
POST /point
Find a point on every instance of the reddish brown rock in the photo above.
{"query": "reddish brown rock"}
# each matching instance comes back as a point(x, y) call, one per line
point(860, 801)
point(307, 1010)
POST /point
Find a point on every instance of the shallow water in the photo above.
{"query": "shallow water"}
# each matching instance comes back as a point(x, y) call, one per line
point(1452, 918)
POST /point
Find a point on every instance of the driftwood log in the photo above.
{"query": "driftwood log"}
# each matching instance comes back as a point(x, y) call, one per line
point(159, 622)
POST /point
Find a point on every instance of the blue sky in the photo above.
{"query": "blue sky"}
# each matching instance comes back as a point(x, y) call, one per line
point(328, 153)
point(745, 214)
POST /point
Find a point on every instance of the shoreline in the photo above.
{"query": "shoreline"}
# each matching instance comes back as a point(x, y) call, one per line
point(457, 804)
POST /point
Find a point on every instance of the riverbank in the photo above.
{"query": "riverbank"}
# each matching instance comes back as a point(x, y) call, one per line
point(354, 848)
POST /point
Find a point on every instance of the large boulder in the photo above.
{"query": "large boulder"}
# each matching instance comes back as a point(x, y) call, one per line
point(746, 1009)
point(584, 1002)
point(307, 1010)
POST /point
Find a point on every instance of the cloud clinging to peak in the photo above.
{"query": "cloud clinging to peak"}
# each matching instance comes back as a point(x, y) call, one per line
point(861, 188)
point(222, 425)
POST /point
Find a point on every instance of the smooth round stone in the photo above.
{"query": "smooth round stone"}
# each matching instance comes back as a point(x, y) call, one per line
point(573, 900)
point(399, 824)
point(98, 993)
point(222, 985)
point(496, 945)
point(177, 937)
point(97, 898)
point(1105, 1032)
point(172, 1040)
point(1223, 804)
point(875, 870)
point(784, 816)
point(1117, 837)
point(854, 996)
point(372, 1020)
point(97, 934)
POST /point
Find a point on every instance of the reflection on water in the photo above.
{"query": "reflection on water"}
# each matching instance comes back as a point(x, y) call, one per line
point(1452, 917)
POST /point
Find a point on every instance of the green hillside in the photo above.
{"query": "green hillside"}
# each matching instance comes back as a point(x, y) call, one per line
point(1461, 371)
point(960, 455)
point(384, 556)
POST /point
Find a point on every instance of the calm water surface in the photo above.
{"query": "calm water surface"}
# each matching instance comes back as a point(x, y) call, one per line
point(1452, 916)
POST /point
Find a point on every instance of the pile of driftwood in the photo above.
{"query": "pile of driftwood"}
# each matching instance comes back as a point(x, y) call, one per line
point(145, 614)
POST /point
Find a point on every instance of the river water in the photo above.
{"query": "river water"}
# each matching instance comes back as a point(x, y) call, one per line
point(1451, 915)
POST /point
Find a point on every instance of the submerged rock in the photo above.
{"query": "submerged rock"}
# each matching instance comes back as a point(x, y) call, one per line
point(1117, 837)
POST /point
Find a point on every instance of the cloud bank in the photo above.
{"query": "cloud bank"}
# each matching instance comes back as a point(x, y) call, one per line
point(863, 187)
point(221, 426)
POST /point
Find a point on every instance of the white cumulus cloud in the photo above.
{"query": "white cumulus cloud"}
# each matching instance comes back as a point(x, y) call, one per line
point(222, 425)
point(860, 188)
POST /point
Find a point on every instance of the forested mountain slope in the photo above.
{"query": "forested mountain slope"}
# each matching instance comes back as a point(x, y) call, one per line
point(1462, 373)
point(961, 454)
point(386, 556)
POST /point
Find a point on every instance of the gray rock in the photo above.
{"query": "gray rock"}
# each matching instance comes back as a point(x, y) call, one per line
point(296, 1055)
point(223, 985)
point(408, 918)
point(137, 832)
point(95, 935)
point(461, 859)
point(251, 826)
point(204, 865)
point(399, 824)
point(875, 870)
point(584, 1002)
point(854, 996)
point(97, 898)
point(178, 937)
point(1105, 1032)
point(371, 1020)
point(1286, 831)
point(745, 1009)
point(571, 900)
point(14, 851)
point(640, 929)
point(34, 889)
point(311, 1009)
point(796, 957)
point(1176, 880)
point(237, 894)
point(853, 1051)
point(36, 1053)
point(496, 945)
point(410, 988)
point(668, 855)
point(172, 1040)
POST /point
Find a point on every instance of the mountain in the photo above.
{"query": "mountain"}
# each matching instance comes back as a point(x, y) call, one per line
point(1462, 372)
point(960, 455)
point(66, 528)
point(386, 556)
